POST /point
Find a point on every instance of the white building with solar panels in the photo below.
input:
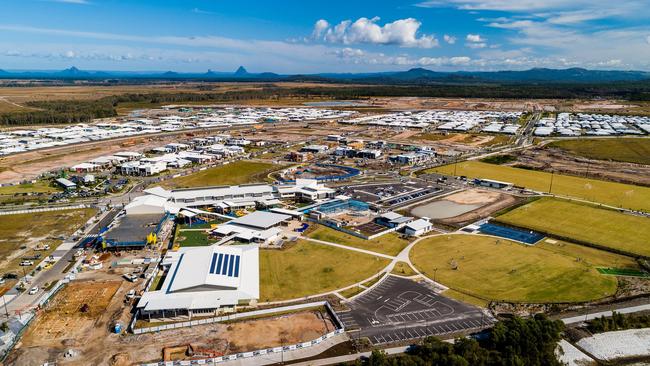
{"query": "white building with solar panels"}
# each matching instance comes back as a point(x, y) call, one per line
point(204, 281)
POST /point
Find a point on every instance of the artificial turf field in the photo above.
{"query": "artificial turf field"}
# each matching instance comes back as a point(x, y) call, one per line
point(630, 150)
point(502, 270)
point(307, 268)
point(583, 222)
point(390, 243)
point(610, 193)
point(238, 172)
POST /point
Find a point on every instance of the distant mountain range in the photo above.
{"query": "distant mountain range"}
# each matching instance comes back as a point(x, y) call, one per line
point(412, 76)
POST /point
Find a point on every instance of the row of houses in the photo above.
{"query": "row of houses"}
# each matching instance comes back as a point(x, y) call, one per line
point(446, 120)
point(579, 124)
point(15, 141)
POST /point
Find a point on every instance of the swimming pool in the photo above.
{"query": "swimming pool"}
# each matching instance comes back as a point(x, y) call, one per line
point(524, 236)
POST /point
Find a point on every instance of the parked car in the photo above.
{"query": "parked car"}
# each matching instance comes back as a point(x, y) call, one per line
point(27, 263)
point(33, 290)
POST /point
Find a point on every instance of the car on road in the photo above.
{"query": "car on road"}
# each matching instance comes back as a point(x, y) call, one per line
point(33, 290)
point(27, 263)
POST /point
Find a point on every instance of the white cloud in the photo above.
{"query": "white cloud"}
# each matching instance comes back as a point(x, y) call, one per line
point(80, 2)
point(527, 5)
point(476, 45)
point(320, 27)
point(348, 52)
point(201, 11)
point(475, 38)
point(647, 39)
point(449, 39)
point(402, 32)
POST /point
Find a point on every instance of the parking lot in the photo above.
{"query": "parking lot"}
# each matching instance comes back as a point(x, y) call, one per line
point(399, 310)
point(377, 192)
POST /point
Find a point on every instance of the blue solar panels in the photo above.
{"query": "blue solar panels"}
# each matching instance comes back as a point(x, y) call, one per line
point(528, 237)
point(231, 265)
point(225, 264)
point(236, 266)
point(219, 263)
point(224, 269)
point(214, 262)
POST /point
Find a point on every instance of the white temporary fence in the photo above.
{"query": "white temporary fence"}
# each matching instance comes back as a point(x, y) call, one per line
point(43, 209)
point(235, 316)
point(237, 356)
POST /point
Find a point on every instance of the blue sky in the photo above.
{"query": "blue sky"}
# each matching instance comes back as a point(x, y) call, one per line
point(324, 36)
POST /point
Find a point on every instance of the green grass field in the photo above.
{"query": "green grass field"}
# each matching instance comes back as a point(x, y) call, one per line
point(631, 150)
point(505, 270)
point(591, 256)
point(192, 238)
point(403, 269)
point(583, 222)
point(38, 187)
point(623, 272)
point(611, 193)
point(239, 172)
point(390, 243)
point(37, 228)
point(309, 268)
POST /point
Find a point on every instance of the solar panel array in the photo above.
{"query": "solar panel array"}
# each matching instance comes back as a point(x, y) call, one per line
point(225, 264)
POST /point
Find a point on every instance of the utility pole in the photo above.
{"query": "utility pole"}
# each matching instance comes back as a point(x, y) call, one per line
point(5, 303)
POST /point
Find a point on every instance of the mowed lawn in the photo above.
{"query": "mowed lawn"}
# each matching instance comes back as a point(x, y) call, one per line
point(390, 243)
point(499, 269)
point(611, 193)
point(238, 172)
point(308, 268)
point(631, 150)
point(584, 222)
point(38, 187)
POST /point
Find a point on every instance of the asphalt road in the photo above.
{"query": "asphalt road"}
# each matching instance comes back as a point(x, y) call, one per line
point(23, 300)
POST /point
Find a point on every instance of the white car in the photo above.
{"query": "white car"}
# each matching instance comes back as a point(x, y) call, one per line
point(27, 263)
point(33, 290)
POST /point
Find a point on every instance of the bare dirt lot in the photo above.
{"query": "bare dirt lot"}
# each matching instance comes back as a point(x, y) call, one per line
point(490, 201)
point(559, 161)
point(63, 326)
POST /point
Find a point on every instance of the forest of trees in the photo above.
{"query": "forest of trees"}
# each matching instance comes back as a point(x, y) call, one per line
point(618, 321)
point(76, 111)
point(513, 342)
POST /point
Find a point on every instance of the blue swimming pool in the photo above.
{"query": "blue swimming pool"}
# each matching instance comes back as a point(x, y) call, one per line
point(524, 236)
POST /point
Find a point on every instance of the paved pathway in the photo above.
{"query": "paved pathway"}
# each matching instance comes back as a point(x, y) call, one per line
point(348, 248)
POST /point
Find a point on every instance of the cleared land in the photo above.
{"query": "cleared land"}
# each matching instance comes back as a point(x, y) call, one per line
point(615, 194)
point(64, 317)
point(390, 243)
point(309, 268)
point(30, 230)
point(238, 172)
point(629, 150)
point(499, 269)
point(585, 223)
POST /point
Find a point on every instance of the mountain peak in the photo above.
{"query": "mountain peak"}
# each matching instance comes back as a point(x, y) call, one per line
point(241, 71)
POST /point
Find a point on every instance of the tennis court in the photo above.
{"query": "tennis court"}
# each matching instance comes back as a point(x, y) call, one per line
point(523, 236)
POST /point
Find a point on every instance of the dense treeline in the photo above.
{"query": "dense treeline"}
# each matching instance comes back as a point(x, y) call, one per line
point(69, 111)
point(618, 321)
point(515, 342)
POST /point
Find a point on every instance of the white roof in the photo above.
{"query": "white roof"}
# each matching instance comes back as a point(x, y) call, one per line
point(419, 224)
point(261, 219)
point(207, 277)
